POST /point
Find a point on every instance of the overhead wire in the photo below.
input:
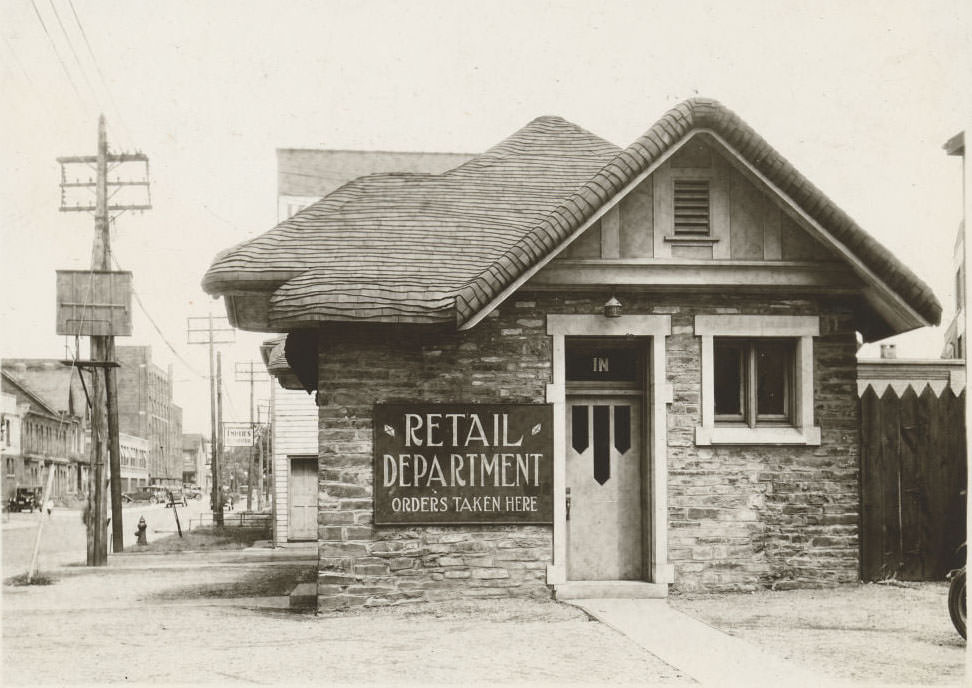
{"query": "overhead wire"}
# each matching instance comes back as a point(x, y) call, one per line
point(57, 54)
point(155, 325)
point(101, 75)
point(67, 39)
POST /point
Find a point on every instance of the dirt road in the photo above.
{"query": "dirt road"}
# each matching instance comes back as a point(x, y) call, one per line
point(114, 626)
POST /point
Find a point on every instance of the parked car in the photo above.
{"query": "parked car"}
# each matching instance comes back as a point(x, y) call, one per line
point(192, 491)
point(175, 496)
point(26, 499)
point(150, 494)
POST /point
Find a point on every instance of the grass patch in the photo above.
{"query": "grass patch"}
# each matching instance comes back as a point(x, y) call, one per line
point(36, 579)
point(204, 540)
point(262, 582)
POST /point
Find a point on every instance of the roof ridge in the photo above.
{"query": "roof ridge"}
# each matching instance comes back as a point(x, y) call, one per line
point(694, 113)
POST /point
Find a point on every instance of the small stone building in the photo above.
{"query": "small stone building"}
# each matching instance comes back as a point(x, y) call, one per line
point(567, 365)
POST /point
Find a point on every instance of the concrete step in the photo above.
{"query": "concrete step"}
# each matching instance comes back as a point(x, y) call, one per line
point(304, 596)
point(624, 590)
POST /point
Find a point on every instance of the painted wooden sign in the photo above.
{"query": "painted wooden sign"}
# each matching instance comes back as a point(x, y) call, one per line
point(237, 435)
point(463, 463)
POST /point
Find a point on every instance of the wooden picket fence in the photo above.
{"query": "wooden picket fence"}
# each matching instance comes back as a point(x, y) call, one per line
point(913, 473)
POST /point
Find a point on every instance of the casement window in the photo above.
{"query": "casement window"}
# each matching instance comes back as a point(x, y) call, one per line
point(691, 207)
point(757, 379)
point(753, 381)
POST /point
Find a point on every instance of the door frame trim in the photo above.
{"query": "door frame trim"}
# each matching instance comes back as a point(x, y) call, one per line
point(658, 395)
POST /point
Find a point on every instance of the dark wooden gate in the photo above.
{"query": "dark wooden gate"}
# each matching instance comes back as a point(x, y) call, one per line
point(913, 473)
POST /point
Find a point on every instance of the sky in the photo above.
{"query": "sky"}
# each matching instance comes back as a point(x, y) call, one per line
point(859, 96)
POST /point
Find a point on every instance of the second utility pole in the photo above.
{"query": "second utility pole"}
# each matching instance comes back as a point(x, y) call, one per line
point(97, 512)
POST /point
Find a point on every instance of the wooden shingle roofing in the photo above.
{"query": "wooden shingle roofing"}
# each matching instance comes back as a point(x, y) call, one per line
point(398, 247)
point(438, 248)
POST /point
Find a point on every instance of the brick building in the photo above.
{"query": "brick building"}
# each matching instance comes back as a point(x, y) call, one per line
point(568, 365)
point(133, 462)
point(145, 410)
point(49, 405)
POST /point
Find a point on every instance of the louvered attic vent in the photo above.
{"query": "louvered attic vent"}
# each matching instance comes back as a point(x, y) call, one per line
point(692, 206)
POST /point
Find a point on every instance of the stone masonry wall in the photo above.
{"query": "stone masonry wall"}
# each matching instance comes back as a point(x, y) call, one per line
point(740, 517)
point(504, 359)
point(745, 517)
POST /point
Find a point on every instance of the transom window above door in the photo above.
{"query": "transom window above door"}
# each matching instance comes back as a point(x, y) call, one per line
point(757, 379)
point(598, 362)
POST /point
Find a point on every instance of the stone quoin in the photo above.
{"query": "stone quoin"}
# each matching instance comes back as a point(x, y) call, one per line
point(566, 367)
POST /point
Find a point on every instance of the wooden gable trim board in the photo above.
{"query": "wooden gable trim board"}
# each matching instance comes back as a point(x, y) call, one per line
point(884, 299)
point(901, 374)
point(911, 320)
point(661, 273)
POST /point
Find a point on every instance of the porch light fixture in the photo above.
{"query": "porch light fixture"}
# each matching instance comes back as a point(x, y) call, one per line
point(612, 309)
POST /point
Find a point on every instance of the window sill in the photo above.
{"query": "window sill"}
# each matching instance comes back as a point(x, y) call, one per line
point(707, 436)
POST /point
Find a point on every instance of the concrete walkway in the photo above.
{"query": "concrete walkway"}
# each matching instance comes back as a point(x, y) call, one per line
point(709, 656)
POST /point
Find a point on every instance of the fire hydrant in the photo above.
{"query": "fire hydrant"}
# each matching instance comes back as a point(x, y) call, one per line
point(140, 533)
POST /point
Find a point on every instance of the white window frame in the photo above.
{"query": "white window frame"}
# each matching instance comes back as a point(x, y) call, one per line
point(801, 328)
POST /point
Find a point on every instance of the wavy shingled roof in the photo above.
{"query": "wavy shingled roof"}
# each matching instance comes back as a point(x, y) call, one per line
point(398, 247)
point(438, 248)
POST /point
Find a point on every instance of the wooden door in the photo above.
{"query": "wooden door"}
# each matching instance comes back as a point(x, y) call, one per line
point(604, 477)
point(303, 499)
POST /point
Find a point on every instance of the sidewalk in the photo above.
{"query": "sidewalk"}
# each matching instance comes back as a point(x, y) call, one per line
point(709, 656)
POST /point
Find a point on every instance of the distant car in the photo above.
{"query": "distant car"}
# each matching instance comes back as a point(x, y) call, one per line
point(192, 491)
point(175, 496)
point(25, 499)
point(150, 494)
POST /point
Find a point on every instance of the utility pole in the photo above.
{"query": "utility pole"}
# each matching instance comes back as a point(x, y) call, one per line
point(102, 334)
point(218, 455)
point(251, 371)
point(266, 458)
point(212, 331)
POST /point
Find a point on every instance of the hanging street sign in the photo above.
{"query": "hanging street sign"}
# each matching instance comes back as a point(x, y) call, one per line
point(237, 435)
point(463, 463)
